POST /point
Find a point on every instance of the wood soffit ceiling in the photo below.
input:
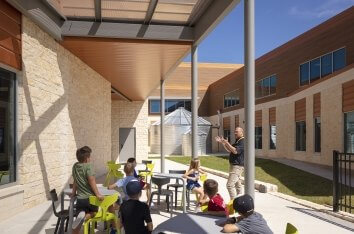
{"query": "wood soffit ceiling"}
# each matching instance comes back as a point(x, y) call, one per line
point(208, 73)
point(134, 67)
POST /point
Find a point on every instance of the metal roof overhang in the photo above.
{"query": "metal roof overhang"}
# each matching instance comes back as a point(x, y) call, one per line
point(131, 43)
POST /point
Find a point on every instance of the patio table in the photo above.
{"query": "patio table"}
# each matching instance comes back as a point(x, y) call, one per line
point(103, 191)
point(178, 177)
point(191, 223)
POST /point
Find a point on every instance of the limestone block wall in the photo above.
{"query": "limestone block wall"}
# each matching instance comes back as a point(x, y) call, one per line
point(131, 115)
point(62, 104)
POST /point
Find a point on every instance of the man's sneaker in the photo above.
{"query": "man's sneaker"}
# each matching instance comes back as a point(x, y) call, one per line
point(197, 209)
point(113, 231)
point(79, 220)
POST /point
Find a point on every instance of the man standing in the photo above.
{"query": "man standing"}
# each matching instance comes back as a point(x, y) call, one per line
point(236, 160)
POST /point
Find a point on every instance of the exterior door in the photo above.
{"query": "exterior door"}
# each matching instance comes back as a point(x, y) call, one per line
point(126, 144)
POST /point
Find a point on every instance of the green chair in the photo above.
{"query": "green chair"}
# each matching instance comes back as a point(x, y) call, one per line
point(102, 215)
point(291, 229)
point(112, 172)
point(148, 172)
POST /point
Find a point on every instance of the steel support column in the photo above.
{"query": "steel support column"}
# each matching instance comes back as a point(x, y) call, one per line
point(249, 97)
point(194, 101)
point(162, 127)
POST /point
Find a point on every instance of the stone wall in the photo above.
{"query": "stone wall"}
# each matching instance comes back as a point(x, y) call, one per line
point(332, 122)
point(63, 104)
point(131, 115)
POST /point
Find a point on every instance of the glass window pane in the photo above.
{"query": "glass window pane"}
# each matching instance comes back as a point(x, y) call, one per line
point(315, 71)
point(273, 137)
point(326, 64)
point(170, 106)
point(180, 103)
point(349, 132)
point(258, 136)
point(273, 84)
point(301, 136)
point(265, 87)
point(7, 127)
point(154, 106)
point(304, 74)
point(188, 105)
point(339, 59)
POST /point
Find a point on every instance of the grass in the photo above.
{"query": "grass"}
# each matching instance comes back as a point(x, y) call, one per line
point(290, 181)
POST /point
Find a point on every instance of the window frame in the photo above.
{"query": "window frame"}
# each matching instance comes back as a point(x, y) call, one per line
point(270, 136)
point(255, 137)
point(15, 77)
point(314, 135)
point(296, 143)
point(269, 87)
point(320, 57)
point(237, 98)
point(166, 100)
point(346, 131)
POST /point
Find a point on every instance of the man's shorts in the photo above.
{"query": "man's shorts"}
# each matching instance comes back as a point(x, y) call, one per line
point(142, 184)
point(84, 205)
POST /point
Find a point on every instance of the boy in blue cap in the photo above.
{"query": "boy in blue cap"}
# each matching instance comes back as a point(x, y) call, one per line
point(134, 213)
point(249, 221)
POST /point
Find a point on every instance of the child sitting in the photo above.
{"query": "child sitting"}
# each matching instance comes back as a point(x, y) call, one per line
point(144, 186)
point(216, 204)
point(192, 176)
point(249, 221)
point(121, 183)
point(84, 186)
point(134, 213)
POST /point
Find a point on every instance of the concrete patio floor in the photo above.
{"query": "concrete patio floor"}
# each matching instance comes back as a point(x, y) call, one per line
point(275, 210)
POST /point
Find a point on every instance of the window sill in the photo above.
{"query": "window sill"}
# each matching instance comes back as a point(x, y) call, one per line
point(8, 190)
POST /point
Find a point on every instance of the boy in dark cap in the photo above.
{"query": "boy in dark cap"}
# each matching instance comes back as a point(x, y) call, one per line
point(249, 221)
point(134, 213)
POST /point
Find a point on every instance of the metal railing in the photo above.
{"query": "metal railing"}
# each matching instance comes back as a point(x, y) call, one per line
point(342, 181)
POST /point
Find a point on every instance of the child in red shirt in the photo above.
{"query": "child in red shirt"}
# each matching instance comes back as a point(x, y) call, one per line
point(216, 204)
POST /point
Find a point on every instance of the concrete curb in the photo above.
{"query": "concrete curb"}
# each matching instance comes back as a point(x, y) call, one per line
point(262, 187)
point(342, 215)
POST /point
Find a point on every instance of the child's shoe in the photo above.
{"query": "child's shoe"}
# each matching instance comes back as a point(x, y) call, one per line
point(113, 231)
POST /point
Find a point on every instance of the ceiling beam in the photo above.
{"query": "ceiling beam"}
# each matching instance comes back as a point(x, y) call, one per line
point(98, 11)
point(42, 14)
point(116, 91)
point(127, 31)
point(150, 11)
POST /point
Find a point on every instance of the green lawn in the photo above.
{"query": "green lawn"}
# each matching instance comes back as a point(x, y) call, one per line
point(289, 180)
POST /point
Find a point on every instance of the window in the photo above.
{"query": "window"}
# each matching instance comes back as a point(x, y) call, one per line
point(273, 85)
point(155, 106)
point(315, 69)
point(266, 86)
point(170, 105)
point(304, 73)
point(322, 66)
point(7, 127)
point(317, 134)
point(349, 132)
point(338, 59)
point(273, 137)
point(231, 99)
point(326, 64)
point(301, 136)
point(258, 135)
point(227, 134)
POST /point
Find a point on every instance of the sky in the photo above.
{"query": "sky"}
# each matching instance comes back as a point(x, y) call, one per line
point(277, 21)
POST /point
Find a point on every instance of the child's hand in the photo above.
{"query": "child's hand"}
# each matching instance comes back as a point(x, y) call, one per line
point(100, 197)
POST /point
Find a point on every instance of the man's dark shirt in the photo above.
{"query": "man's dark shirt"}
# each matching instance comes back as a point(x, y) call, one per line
point(134, 214)
point(237, 159)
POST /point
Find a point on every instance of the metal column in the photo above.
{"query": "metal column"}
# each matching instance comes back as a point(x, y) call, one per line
point(249, 97)
point(194, 101)
point(162, 127)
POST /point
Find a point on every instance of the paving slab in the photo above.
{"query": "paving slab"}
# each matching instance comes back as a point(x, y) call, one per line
point(276, 211)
